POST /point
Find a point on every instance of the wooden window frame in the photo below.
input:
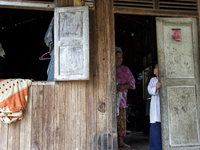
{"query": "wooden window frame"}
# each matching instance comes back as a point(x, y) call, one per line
point(57, 76)
point(28, 5)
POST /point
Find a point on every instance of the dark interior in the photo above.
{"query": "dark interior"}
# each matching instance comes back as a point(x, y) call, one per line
point(22, 36)
point(136, 35)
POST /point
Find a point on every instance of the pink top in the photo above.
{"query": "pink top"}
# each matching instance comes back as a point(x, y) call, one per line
point(124, 76)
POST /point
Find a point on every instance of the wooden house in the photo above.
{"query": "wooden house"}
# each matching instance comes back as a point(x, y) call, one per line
point(77, 111)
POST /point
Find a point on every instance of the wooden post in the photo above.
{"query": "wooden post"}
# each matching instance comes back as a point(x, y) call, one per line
point(106, 105)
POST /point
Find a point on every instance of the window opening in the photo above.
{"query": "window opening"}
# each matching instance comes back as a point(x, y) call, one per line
point(22, 35)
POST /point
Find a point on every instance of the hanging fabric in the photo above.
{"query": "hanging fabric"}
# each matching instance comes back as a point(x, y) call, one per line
point(49, 40)
point(2, 53)
point(13, 99)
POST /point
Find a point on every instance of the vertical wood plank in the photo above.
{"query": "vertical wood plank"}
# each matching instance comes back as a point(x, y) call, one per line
point(78, 116)
point(60, 115)
point(92, 90)
point(26, 125)
point(71, 100)
point(102, 105)
point(73, 115)
point(91, 86)
point(106, 77)
point(14, 136)
point(4, 132)
point(81, 115)
point(37, 120)
point(48, 118)
point(68, 123)
point(111, 83)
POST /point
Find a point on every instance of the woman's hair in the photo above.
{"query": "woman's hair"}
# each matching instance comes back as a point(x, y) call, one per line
point(118, 50)
point(154, 65)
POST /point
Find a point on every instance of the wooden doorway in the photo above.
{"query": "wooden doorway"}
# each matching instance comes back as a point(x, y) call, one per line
point(147, 56)
point(136, 35)
point(127, 13)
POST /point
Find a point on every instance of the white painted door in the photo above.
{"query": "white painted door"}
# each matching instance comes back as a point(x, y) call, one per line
point(71, 48)
point(179, 75)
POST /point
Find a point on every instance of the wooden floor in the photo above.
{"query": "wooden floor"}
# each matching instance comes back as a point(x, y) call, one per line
point(137, 141)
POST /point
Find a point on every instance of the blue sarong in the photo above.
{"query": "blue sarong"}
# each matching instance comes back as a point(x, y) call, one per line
point(155, 138)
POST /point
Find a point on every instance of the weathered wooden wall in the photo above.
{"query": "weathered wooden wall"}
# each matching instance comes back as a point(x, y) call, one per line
point(74, 115)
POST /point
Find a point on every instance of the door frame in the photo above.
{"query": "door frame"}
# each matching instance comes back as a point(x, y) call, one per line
point(156, 15)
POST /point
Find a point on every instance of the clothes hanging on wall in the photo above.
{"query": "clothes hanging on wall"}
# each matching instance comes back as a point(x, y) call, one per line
point(13, 99)
point(49, 41)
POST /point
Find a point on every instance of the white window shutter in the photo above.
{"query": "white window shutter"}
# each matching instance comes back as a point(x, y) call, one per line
point(71, 43)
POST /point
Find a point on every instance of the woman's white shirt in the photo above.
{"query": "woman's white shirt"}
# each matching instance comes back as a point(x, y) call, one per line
point(155, 101)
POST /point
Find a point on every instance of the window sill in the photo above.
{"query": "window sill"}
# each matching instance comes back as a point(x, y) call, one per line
point(44, 83)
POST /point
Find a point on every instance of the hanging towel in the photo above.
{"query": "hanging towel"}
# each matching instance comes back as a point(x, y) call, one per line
point(13, 99)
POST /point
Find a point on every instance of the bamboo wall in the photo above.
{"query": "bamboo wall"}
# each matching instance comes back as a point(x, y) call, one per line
point(74, 115)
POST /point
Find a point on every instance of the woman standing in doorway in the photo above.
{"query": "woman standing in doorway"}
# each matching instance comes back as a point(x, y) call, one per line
point(125, 81)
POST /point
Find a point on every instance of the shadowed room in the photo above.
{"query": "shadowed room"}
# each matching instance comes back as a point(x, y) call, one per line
point(136, 35)
point(22, 35)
